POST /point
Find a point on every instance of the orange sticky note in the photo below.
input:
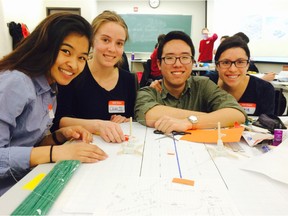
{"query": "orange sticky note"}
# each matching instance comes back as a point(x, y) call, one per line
point(34, 182)
point(183, 181)
point(211, 135)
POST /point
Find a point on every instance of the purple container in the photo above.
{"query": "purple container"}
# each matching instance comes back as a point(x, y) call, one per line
point(278, 133)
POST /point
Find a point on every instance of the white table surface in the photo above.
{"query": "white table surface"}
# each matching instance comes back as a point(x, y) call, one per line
point(140, 183)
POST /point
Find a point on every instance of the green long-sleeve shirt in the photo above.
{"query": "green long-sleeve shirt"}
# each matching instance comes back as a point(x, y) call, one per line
point(200, 94)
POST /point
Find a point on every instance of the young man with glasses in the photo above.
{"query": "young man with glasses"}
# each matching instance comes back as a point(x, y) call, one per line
point(186, 101)
point(255, 95)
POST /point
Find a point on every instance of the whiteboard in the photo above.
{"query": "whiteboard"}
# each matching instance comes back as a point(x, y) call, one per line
point(144, 29)
point(264, 21)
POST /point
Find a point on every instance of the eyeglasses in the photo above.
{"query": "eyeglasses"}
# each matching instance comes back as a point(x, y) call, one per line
point(227, 64)
point(170, 60)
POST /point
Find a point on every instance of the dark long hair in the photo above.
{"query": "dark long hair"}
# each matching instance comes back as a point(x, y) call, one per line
point(36, 54)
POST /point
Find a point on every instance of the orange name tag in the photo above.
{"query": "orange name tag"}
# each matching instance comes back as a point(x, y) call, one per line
point(248, 107)
point(116, 107)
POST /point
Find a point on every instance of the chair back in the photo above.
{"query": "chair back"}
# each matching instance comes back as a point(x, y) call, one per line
point(146, 78)
point(280, 103)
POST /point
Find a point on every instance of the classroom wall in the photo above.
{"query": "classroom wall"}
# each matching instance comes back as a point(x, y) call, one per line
point(268, 67)
point(31, 12)
point(4, 46)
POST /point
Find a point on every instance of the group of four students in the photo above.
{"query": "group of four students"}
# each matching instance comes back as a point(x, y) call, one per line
point(95, 95)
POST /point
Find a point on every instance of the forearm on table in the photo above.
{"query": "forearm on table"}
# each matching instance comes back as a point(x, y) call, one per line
point(92, 125)
point(40, 155)
point(158, 111)
point(226, 116)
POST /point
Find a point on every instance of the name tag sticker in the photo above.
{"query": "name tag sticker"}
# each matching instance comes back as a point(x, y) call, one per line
point(116, 106)
point(248, 107)
point(50, 111)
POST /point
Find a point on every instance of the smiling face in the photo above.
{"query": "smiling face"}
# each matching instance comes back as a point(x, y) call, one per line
point(175, 75)
point(233, 77)
point(71, 59)
point(109, 43)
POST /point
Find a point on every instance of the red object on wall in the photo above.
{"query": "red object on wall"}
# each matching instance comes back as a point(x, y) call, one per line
point(25, 30)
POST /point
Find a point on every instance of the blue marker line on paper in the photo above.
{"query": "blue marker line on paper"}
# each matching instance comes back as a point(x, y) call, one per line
point(180, 174)
point(265, 148)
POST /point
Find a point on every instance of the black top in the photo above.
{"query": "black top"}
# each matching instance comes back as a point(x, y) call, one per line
point(258, 92)
point(85, 98)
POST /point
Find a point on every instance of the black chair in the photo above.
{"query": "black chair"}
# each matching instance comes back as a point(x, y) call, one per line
point(280, 102)
point(146, 78)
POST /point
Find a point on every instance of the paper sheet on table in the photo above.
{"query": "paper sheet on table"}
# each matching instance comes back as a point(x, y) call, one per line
point(272, 163)
point(254, 138)
point(211, 135)
point(149, 196)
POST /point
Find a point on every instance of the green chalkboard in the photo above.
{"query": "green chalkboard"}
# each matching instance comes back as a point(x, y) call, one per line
point(145, 28)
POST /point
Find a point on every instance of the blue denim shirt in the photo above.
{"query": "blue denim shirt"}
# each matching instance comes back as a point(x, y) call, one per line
point(24, 121)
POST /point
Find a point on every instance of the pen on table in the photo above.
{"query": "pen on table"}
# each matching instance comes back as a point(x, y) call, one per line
point(180, 180)
point(177, 158)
